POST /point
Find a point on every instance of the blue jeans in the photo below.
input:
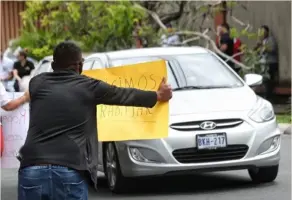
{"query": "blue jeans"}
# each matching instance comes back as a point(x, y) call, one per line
point(51, 183)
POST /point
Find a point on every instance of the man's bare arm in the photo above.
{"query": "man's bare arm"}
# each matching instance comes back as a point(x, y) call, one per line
point(15, 103)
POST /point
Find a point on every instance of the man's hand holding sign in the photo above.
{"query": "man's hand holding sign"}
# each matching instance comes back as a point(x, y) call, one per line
point(117, 123)
point(164, 92)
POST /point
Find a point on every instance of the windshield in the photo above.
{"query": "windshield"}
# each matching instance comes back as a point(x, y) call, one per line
point(201, 71)
point(205, 70)
point(129, 61)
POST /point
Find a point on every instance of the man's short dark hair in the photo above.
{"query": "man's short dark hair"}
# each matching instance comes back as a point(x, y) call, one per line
point(266, 28)
point(65, 54)
point(23, 53)
point(225, 25)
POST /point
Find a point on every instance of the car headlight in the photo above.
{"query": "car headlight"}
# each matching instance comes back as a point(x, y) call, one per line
point(262, 112)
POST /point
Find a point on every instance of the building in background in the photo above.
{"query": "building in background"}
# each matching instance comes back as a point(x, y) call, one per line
point(10, 21)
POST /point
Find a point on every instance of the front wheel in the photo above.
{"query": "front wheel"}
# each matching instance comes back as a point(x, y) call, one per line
point(264, 174)
point(116, 181)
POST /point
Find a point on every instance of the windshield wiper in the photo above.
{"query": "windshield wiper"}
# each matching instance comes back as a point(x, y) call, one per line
point(202, 87)
point(187, 88)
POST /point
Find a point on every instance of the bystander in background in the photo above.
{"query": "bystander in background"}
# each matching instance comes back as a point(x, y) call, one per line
point(22, 68)
point(237, 49)
point(140, 40)
point(226, 45)
point(268, 52)
point(9, 104)
point(171, 39)
point(6, 76)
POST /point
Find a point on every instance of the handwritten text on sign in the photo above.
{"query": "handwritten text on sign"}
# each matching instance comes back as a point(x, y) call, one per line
point(15, 125)
point(117, 123)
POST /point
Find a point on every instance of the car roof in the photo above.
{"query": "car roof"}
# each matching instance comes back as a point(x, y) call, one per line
point(48, 58)
point(130, 53)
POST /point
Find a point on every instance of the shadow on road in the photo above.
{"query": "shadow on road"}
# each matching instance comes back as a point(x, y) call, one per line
point(191, 184)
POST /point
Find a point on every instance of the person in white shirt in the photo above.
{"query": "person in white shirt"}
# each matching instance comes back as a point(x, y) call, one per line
point(6, 76)
point(170, 40)
point(9, 104)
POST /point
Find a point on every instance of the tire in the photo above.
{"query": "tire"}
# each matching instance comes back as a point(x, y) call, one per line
point(264, 174)
point(117, 183)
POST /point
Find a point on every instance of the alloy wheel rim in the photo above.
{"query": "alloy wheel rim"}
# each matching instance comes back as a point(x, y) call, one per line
point(111, 165)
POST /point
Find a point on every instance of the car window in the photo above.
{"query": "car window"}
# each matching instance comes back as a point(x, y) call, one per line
point(129, 61)
point(87, 65)
point(97, 64)
point(206, 70)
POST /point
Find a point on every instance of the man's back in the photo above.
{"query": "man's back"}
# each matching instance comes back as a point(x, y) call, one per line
point(63, 129)
point(62, 132)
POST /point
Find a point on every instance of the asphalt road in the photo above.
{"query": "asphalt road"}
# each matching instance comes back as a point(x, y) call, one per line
point(216, 186)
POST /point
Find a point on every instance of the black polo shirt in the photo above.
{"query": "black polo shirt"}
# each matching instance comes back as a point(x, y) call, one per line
point(63, 128)
point(24, 70)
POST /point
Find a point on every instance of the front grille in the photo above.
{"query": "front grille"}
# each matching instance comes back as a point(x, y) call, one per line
point(195, 125)
point(193, 155)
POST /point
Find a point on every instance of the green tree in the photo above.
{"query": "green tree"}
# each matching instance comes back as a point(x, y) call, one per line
point(95, 25)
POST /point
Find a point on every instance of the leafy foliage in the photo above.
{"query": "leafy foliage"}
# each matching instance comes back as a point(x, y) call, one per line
point(96, 25)
point(111, 25)
point(250, 56)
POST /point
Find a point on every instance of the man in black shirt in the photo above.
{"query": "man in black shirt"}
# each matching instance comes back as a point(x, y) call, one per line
point(22, 67)
point(61, 143)
point(226, 45)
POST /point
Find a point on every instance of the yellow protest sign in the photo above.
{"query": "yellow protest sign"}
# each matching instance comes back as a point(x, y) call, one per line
point(119, 123)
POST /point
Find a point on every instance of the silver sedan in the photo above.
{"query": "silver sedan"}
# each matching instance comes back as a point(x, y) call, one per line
point(216, 121)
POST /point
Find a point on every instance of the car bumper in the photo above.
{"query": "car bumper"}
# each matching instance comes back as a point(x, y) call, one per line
point(254, 138)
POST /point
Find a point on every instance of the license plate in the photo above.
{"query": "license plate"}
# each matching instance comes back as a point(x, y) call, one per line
point(211, 141)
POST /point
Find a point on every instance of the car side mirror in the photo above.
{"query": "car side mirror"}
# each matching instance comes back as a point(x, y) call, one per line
point(253, 79)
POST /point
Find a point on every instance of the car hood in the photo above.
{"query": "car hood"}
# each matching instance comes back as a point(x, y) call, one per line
point(212, 100)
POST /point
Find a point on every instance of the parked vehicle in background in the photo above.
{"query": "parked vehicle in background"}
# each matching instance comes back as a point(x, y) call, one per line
point(216, 121)
point(13, 55)
point(43, 65)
